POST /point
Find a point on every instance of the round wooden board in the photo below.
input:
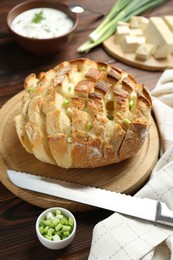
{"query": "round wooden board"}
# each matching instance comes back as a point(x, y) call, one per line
point(129, 58)
point(126, 177)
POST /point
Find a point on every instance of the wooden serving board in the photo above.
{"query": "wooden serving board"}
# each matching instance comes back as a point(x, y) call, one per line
point(151, 64)
point(126, 177)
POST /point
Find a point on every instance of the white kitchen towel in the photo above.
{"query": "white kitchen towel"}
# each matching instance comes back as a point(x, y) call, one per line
point(125, 238)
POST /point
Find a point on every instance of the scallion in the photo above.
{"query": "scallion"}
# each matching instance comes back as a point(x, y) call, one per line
point(131, 103)
point(122, 10)
point(31, 89)
point(89, 126)
point(65, 102)
point(56, 226)
point(126, 121)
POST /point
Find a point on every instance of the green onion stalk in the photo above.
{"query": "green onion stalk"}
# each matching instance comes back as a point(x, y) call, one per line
point(122, 10)
point(117, 7)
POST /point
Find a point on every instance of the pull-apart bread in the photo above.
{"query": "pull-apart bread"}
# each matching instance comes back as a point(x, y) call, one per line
point(83, 114)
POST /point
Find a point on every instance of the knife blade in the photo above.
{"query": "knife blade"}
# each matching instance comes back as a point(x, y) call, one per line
point(146, 209)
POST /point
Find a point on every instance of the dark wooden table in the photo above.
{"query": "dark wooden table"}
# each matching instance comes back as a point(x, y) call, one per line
point(17, 218)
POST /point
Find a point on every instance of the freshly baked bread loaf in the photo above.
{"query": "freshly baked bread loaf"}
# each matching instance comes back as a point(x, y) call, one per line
point(83, 114)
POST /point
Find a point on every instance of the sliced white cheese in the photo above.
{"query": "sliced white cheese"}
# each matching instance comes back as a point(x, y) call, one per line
point(144, 51)
point(169, 21)
point(122, 23)
point(131, 43)
point(158, 34)
point(121, 32)
point(136, 32)
point(138, 22)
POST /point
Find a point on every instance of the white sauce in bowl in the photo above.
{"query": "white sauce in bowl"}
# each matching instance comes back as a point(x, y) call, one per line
point(42, 23)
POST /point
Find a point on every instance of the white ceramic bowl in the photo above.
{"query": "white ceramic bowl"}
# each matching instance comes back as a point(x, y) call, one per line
point(50, 243)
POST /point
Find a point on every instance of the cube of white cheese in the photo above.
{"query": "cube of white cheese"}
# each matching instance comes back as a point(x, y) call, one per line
point(136, 32)
point(158, 34)
point(138, 22)
point(131, 43)
point(121, 32)
point(144, 51)
point(122, 23)
point(169, 21)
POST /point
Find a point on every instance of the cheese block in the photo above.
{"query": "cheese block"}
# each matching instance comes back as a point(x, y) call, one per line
point(122, 23)
point(144, 51)
point(138, 22)
point(169, 21)
point(83, 114)
point(135, 32)
point(158, 34)
point(121, 32)
point(131, 43)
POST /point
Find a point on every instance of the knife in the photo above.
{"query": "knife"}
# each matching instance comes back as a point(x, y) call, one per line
point(146, 209)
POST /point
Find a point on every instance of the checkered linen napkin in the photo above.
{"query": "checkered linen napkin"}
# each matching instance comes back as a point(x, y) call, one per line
point(125, 238)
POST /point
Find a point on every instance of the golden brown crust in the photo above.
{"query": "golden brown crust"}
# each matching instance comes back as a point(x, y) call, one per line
point(79, 149)
point(84, 87)
point(83, 113)
point(21, 132)
point(58, 147)
point(134, 138)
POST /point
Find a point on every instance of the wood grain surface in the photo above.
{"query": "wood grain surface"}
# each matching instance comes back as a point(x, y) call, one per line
point(125, 177)
point(129, 58)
